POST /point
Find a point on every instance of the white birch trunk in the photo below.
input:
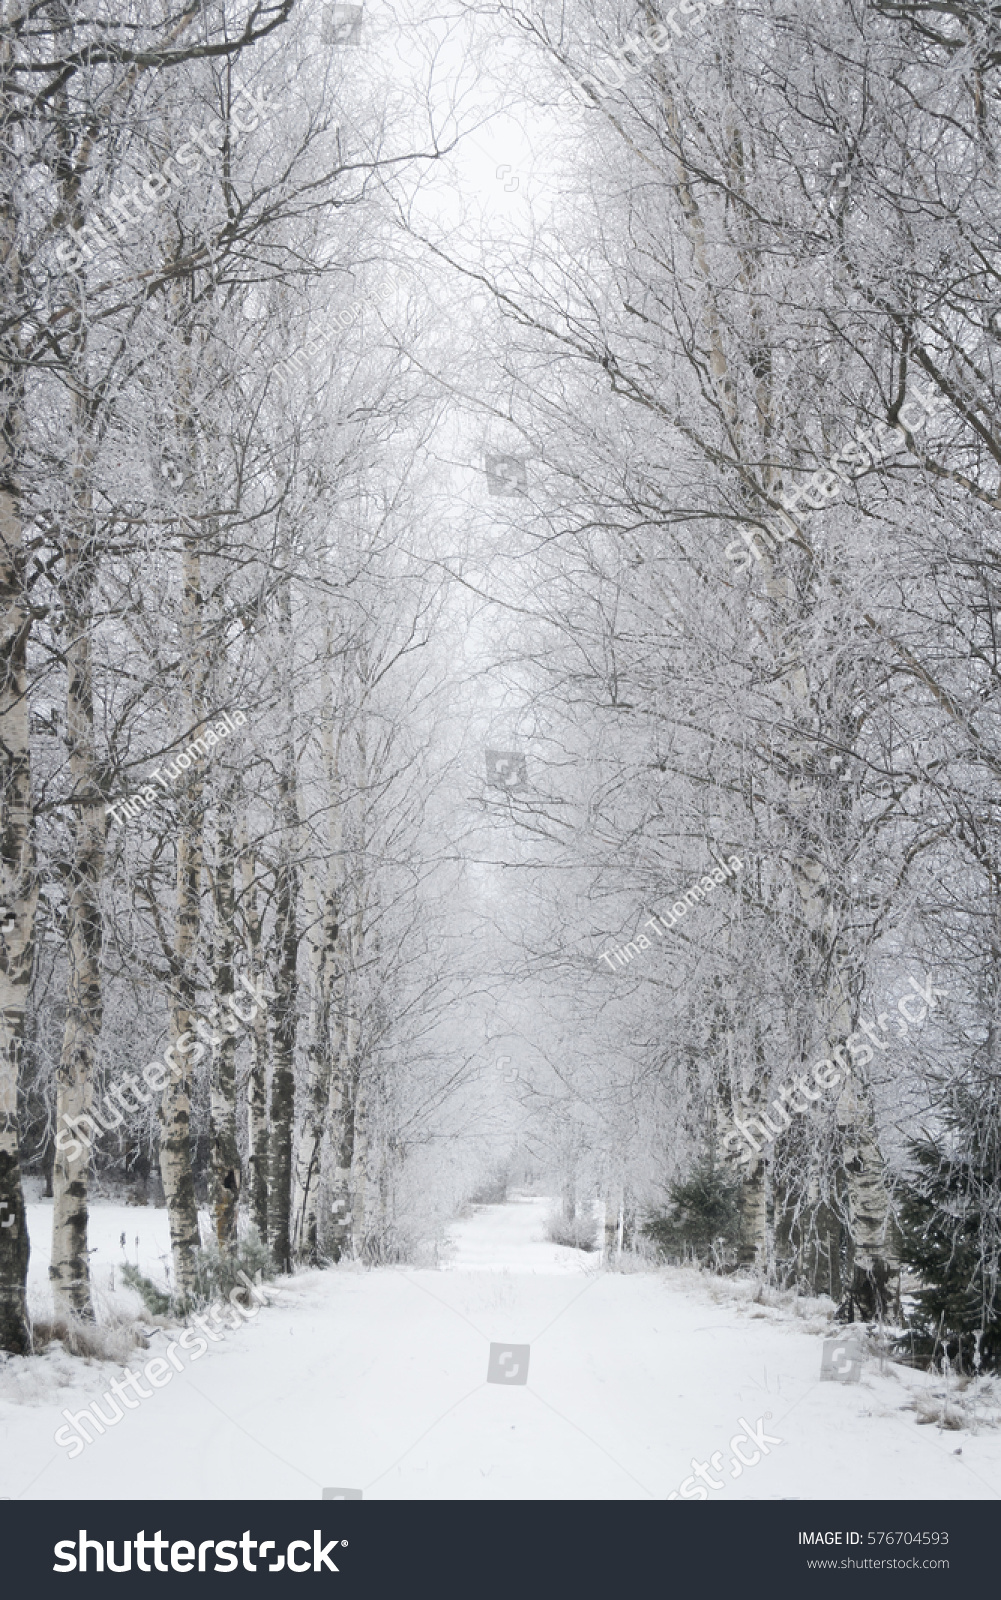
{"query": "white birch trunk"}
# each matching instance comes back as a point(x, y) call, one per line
point(68, 1269)
point(18, 893)
point(175, 1110)
point(286, 980)
point(324, 948)
point(257, 1082)
point(227, 1176)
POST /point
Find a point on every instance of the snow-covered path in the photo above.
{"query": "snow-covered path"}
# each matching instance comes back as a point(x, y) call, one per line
point(377, 1380)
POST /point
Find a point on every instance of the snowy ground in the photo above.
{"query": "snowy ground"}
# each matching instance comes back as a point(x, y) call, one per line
point(376, 1380)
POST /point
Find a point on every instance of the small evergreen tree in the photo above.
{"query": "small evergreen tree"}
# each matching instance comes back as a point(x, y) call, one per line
point(156, 1301)
point(704, 1216)
point(218, 1272)
point(949, 1216)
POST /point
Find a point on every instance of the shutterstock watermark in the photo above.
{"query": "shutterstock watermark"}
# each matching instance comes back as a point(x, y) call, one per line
point(508, 1363)
point(93, 237)
point(826, 484)
point(644, 46)
point(158, 1371)
point(508, 1073)
point(828, 1076)
point(841, 1361)
point(690, 1490)
point(72, 1138)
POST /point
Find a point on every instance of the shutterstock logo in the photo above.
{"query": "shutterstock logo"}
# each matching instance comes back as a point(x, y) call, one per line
point(72, 1554)
point(508, 1363)
point(841, 1361)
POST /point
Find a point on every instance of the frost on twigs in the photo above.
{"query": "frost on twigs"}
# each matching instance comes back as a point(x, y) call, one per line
point(958, 1404)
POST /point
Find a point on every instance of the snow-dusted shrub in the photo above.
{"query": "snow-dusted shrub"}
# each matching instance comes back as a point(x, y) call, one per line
point(113, 1341)
point(494, 1189)
point(579, 1232)
point(959, 1402)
